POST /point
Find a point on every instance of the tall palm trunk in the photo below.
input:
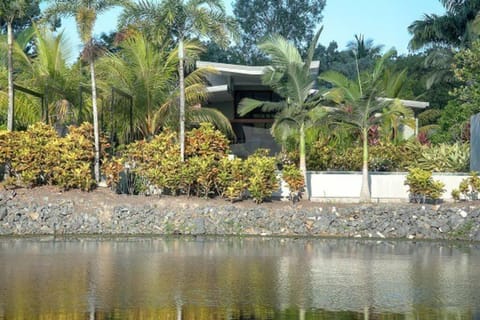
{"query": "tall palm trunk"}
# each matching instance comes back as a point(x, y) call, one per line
point(365, 191)
point(96, 132)
point(11, 102)
point(303, 162)
point(182, 99)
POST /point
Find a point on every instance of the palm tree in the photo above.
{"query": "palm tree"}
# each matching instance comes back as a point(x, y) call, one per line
point(85, 13)
point(182, 20)
point(456, 28)
point(444, 35)
point(9, 11)
point(151, 74)
point(361, 103)
point(46, 72)
point(290, 77)
point(364, 48)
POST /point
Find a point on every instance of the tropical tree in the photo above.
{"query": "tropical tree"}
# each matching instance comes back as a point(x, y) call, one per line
point(150, 74)
point(182, 20)
point(45, 72)
point(294, 20)
point(457, 28)
point(364, 48)
point(362, 103)
point(444, 34)
point(9, 11)
point(85, 13)
point(290, 77)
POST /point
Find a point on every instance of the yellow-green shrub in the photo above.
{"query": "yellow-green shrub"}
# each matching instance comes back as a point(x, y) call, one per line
point(231, 179)
point(39, 156)
point(206, 141)
point(292, 175)
point(262, 179)
point(422, 187)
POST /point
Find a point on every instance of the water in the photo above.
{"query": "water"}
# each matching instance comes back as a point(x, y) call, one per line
point(237, 278)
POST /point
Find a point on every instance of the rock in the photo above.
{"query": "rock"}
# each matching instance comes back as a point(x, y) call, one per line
point(462, 213)
point(198, 226)
point(34, 215)
point(380, 235)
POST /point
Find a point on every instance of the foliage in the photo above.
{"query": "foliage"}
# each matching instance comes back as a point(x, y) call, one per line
point(468, 187)
point(444, 158)
point(24, 12)
point(181, 20)
point(231, 178)
point(456, 116)
point(38, 156)
point(74, 168)
point(360, 103)
point(294, 179)
point(429, 117)
point(85, 13)
point(206, 172)
point(156, 161)
point(258, 19)
point(382, 157)
point(455, 28)
point(422, 187)
point(291, 78)
point(206, 141)
point(262, 179)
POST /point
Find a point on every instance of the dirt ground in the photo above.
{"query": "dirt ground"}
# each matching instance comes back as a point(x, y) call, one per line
point(104, 196)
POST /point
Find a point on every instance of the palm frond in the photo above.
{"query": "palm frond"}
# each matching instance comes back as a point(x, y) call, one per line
point(311, 49)
point(344, 88)
point(247, 105)
point(210, 115)
point(281, 51)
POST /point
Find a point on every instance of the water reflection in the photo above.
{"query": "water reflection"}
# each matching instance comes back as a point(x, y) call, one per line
point(237, 278)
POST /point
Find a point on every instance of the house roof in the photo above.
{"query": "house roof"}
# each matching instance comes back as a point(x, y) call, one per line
point(410, 103)
point(235, 75)
point(226, 68)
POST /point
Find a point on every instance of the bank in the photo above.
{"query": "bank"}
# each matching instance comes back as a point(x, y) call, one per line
point(46, 211)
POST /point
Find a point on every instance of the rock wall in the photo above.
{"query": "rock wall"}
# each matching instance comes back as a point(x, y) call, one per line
point(460, 221)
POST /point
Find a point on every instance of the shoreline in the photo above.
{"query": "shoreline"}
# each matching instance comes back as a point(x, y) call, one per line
point(46, 211)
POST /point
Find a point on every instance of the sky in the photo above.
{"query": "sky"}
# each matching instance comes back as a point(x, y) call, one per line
point(383, 21)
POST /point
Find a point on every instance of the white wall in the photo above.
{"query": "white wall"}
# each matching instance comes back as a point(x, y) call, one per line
point(384, 187)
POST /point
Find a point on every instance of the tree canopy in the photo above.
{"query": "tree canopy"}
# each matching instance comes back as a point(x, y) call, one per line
point(258, 19)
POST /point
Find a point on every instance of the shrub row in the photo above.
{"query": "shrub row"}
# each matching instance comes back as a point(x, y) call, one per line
point(147, 167)
point(38, 156)
point(390, 157)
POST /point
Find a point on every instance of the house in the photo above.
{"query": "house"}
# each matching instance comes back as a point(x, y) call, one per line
point(232, 83)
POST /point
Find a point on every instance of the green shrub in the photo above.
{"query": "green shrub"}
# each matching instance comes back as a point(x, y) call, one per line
point(74, 168)
point(206, 141)
point(422, 187)
point(468, 187)
point(382, 157)
point(38, 156)
point(156, 163)
point(261, 176)
point(206, 172)
point(293, 177)
point(231, 179)
point(444, 158)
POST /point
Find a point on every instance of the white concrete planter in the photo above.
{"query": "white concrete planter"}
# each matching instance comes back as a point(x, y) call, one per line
point(340, 186)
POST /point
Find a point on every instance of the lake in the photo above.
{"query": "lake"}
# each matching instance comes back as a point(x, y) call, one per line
point(237, 278)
